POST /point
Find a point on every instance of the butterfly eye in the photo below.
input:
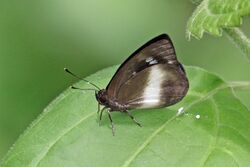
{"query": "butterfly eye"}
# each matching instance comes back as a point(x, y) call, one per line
point(101, 97)
point(102, 100)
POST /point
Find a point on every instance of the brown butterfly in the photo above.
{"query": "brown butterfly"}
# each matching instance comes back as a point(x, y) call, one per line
point(151, 77)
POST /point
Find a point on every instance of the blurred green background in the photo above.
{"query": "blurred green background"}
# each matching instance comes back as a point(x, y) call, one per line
point(39, 38)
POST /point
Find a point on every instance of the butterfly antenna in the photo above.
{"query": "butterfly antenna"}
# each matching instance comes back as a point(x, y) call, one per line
point(72, 87)
point(67, 70)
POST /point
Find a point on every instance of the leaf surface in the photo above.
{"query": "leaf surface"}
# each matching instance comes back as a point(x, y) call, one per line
point(212, 131)
point(212, 15)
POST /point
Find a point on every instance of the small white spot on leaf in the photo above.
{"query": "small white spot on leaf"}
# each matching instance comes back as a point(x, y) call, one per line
point(180, 111)
point(197, 116)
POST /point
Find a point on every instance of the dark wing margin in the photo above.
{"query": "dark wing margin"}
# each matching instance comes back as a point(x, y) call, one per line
point(159, 50)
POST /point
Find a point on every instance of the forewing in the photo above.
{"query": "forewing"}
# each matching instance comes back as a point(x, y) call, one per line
point(159, 50)
point(154, 87)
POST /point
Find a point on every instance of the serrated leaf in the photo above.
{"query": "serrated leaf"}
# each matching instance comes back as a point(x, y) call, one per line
point(213, 131)
point(212, 15)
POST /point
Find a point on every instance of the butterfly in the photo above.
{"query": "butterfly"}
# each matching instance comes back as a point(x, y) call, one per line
point(151, 77)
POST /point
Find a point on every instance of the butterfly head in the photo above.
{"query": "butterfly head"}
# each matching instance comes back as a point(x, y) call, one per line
point(102, 97)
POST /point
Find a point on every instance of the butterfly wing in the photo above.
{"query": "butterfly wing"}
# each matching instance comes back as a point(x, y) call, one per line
point(163, 86)
point(150, 77)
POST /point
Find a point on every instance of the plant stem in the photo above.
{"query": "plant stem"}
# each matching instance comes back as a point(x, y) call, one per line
point(240, 40)
point(240, 85)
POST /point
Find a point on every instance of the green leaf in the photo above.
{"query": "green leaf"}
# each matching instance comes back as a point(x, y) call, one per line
point(212, 15)
point(213, 131)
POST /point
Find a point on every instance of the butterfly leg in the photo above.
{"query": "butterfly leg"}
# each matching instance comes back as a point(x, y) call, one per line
point(100, 116)
point(112, 124)
point(98, 108)
point(133, 118)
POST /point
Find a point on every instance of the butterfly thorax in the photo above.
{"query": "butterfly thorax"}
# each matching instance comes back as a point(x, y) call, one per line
point(103, 99)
